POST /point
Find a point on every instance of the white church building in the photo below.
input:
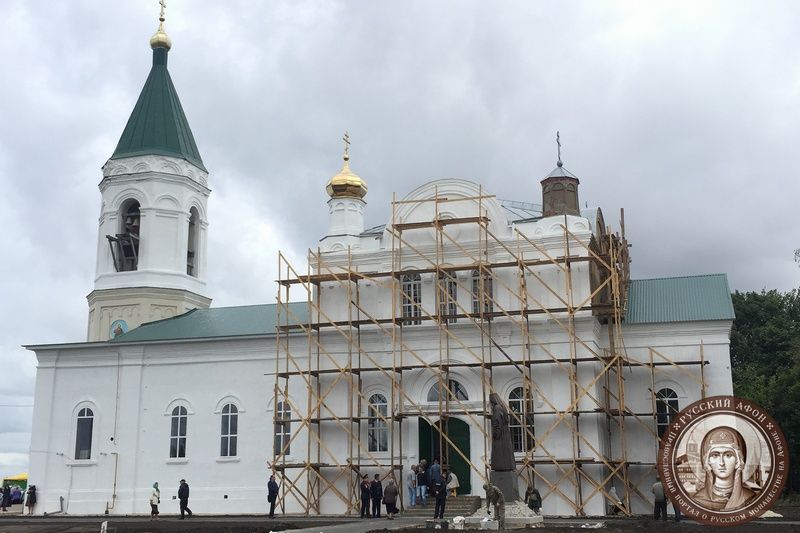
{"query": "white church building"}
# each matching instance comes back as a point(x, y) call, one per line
point(379, 353)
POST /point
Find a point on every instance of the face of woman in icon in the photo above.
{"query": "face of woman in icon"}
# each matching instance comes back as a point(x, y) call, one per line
point(722, 462)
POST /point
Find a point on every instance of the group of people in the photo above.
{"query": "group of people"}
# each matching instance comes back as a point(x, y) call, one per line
point(13, 495)
point(374, 493)
point(436, 481)
point(183, 500)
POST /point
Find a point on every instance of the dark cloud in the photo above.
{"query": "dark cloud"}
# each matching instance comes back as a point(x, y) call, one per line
point(685, 114)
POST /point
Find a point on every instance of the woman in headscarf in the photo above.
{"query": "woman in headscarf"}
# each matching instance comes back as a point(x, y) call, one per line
point(724, 455)
point(155, 499)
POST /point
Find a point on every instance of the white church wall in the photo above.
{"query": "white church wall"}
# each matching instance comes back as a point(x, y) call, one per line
point(151, 380)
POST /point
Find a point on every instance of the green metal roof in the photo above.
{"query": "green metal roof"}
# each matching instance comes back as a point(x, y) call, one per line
point(683, 299)
point(216, 322)
point(157, 125)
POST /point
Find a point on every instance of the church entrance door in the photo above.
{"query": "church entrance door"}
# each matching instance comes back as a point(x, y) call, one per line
point(429, 447)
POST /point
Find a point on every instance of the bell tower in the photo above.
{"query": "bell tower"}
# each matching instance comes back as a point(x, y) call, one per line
point(153, 226)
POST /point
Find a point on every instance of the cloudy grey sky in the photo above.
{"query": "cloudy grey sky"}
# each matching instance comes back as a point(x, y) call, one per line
point(684, 113)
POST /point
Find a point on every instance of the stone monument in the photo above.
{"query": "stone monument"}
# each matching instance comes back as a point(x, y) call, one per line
point(502, 462)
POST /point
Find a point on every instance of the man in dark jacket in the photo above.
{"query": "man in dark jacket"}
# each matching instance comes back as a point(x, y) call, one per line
point(183, 498)
point(272, 494)
point(6, 497)
point(365, 495)
point(376, 491)
point(439, 492)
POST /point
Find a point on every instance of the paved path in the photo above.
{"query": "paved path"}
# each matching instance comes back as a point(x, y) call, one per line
point(363, 526)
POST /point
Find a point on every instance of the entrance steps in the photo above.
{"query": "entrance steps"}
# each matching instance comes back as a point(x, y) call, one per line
point(456, 506)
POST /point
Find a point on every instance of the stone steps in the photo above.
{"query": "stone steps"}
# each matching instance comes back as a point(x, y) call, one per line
point(456, 506)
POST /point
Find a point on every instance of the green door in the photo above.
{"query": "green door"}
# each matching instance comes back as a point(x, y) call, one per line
point(458, 432)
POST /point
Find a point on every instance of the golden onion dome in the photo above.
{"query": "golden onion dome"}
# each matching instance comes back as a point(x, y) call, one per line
point(160, 39)
point(346, 184)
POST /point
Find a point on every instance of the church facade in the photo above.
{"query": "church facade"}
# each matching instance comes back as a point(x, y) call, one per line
point(380, 353)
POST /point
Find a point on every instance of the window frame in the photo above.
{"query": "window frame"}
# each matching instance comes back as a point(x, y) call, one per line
point(179, 413)
point(411, 299)
point(85, 412)
point(282, 429)
point(482, 286)
point(377, 428)
point(521, 434)
point(667, 406)
point(229, 431)
point(458, 392)
point(447, 291)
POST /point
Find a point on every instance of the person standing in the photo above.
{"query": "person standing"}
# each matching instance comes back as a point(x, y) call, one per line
point(439, 492)
point(616, 503)
point(390, 499)
point(365, 496)
point(183, 498)
point(376, 492)
point(411, 485)
point(272, 494)
point(422, 483)
point(6, 498)
point(155, 499)
point(660, 506)
point(436, 471)
point(30, 501)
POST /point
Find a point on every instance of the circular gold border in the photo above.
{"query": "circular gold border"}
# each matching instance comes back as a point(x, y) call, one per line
point(737, 407)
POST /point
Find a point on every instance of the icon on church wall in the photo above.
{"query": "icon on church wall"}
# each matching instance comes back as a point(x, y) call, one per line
point(723, 460)
point(118, 327)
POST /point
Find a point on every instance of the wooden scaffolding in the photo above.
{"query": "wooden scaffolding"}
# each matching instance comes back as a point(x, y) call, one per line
point(324, 350)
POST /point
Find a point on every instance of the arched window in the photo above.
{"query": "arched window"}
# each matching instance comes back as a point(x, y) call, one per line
point(666, 409)
point(457, 391)
point(191, 245)
point(125, 244)
point(482, 292)
point(83, 434)
point(230, 431)
point(177, 434)
point(447, 289)
point(521, 411)
point(377, 429)
point(412, 298)
point(283, 429)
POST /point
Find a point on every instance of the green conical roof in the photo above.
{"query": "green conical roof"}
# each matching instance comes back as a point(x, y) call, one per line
point(158, 125)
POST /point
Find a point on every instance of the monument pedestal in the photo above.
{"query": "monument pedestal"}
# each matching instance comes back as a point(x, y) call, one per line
point(507, 483)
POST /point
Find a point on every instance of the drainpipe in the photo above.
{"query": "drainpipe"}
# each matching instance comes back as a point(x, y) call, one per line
point(114, 441)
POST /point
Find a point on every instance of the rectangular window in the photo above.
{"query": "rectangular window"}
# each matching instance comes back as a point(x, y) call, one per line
point(520, 434)
point(229, 431)
point(482, 291)
point(177, 438)
point(448, 298)
point(411, 298)
point(377, 430)
point(83, 435)
point(283, 429)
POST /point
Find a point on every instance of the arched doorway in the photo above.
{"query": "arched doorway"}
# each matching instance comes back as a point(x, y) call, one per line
point(429, 448)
